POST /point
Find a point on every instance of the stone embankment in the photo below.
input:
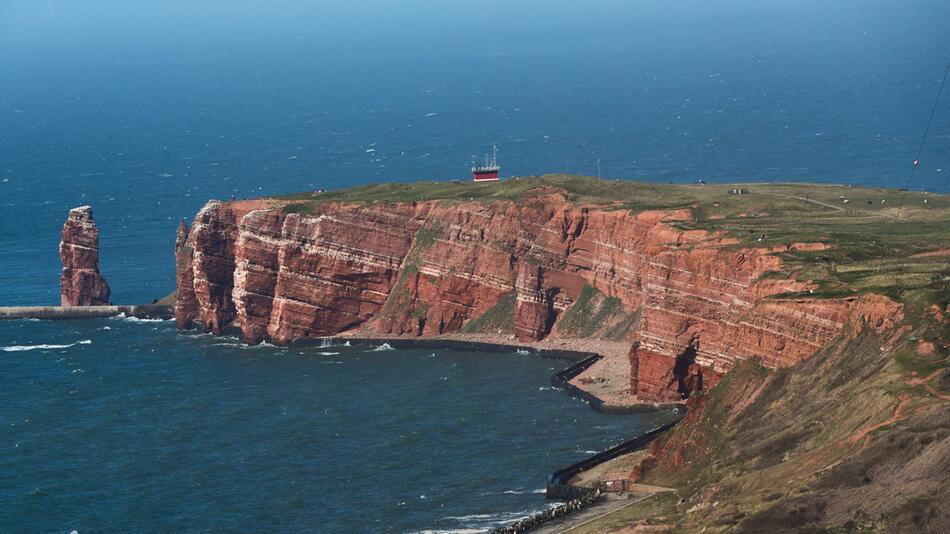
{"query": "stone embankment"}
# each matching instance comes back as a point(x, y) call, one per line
point(146, 311)
point(531, 522)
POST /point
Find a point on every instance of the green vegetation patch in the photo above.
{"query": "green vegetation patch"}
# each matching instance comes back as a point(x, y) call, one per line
point(304, 208)
point(500, 318)
point(430, 232)
point(594, 314)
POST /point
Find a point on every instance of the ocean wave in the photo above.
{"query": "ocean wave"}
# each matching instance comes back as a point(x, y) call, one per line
point(195, 335)
point(261, 345)
point(328, 353)
point(328, 343)
point(20, 348)
point(483, 522)
point(522, 351)
point(331, 362)
point(516, 492)
point(384, 346)
point(133, 319)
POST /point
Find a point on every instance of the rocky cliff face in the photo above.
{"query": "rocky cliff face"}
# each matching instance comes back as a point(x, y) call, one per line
point(81, 284)
point(430, 268)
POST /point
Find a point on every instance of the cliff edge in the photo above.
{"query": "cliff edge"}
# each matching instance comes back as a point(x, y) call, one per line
point(665, 273)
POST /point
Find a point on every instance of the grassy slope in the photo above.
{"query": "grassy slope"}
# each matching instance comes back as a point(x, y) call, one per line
point(846, 441)
point(795, 457)
point(596, 315)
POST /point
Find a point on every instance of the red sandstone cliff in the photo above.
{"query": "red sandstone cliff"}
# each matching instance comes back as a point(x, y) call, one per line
point(429, 268)
point(81, 284)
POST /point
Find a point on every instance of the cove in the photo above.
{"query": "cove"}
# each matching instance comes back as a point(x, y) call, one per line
point(128, 425)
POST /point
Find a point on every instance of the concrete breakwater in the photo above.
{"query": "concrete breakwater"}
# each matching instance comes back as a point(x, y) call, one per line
point(559, 487)
point(144, 311)
point(540, 518)
point(578, 497)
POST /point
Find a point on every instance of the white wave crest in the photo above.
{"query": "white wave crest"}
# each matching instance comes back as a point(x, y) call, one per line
point(384, 346)
point(328, 353)
point(483, 522)
point(133, 319)
point(521, 492)
point(20, 348)
point(261, 345)
point(523, 351)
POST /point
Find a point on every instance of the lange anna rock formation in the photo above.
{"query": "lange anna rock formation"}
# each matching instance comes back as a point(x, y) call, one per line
point(81, 283)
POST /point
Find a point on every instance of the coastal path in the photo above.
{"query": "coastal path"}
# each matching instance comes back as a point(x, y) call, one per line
point(574, 523)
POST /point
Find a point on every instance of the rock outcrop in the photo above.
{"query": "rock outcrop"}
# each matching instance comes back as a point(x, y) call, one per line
point(186, 305)
point(428, 268)
point(81, 283)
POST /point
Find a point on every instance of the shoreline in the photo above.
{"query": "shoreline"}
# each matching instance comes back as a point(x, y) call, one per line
point(592, 357)
point(558, 486)
point(584, 354)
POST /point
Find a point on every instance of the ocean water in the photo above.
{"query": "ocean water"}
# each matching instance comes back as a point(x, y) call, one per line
point(147, 127)
point(120, 425)
point(146, 110)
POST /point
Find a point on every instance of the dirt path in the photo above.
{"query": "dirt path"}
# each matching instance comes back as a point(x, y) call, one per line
point(832, 206)
point(898, 414)
point(923, 381)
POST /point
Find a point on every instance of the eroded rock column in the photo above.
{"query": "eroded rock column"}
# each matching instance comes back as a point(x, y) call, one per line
point(81, 284)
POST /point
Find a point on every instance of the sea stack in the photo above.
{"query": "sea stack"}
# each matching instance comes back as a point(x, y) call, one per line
point(81, 283)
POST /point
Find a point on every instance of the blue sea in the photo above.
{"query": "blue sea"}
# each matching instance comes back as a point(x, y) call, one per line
point(145, 110)
point(123, 425)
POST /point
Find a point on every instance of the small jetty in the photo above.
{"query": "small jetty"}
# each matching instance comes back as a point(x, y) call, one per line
point(143, 311)
point(84, 293)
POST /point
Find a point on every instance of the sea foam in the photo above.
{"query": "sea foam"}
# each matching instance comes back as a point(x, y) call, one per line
point(20, 348)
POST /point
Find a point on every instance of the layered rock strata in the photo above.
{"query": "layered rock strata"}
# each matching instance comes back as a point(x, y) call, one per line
point(430, 268)
point(81, 284)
